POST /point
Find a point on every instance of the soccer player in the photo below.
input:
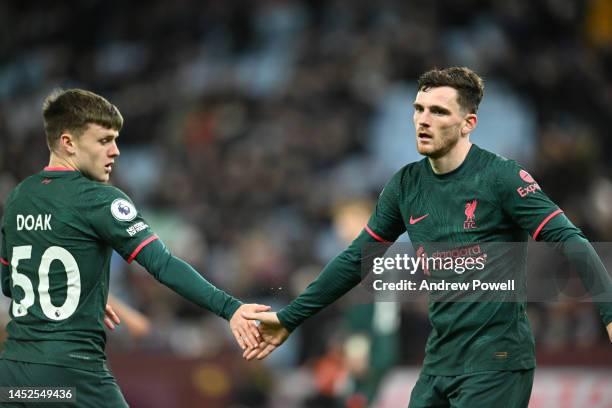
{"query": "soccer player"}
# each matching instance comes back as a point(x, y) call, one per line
point(478, 354)
point(59, 229)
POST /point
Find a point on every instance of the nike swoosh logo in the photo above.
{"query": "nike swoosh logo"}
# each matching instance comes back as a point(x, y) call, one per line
point(415, 220)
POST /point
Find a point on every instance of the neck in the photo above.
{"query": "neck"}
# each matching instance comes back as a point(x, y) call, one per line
point(59, 161)
point(451, 160)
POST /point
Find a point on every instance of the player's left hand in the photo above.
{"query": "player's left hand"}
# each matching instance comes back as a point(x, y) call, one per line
point(245, 331)
point(110, 317)
point(609, 327)
point(273, 332)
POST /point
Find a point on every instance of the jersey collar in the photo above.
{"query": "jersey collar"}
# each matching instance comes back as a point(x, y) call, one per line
point(51, 168)
point(459, 171)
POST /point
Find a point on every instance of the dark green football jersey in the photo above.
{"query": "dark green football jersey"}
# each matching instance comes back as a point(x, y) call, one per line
point(59, 230)
point(486, 199)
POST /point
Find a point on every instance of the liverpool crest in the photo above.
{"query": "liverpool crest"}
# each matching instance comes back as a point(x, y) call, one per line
point(470, 216)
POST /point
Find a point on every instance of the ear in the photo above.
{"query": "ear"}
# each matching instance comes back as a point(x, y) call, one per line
point(469, 123)
point(66, 143)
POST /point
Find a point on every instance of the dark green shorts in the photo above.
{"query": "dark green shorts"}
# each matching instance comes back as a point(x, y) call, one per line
point(508, 389)
point(93, 388)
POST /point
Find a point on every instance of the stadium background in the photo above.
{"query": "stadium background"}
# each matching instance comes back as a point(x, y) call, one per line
point(257, 136)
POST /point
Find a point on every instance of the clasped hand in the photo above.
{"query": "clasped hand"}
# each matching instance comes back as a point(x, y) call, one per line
point(272, 334)
point(245, 331)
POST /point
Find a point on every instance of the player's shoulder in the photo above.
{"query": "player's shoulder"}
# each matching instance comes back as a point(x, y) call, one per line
point(402, 180)
point(23, 188)
point(500, 165)
point(100, 191)
point(410, 172)
point(506, 173)
point(106, 196)
point(26, 184)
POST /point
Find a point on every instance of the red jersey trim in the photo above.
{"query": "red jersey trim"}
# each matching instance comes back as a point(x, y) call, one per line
point(4, 262)
point(49, 168)
point(142, 245)
point(376, 236)
point(550, 217)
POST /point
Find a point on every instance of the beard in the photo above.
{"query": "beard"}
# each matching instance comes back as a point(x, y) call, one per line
point(439, 148)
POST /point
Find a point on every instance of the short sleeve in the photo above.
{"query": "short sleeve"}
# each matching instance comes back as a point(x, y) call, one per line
point(524, 201)
point(116, 220)
point(385, 223)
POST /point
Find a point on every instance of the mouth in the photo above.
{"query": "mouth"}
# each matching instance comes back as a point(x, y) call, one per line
point(424, 137)
point(109, 167)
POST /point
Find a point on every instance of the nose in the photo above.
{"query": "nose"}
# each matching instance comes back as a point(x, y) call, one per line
point(114, 150)
point(424, 120)
point(421, 119)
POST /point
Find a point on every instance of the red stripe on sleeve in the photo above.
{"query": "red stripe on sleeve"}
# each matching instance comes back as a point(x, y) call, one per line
point(4, 262)
point(142, 245)
point(543, 223)
point(376, 236)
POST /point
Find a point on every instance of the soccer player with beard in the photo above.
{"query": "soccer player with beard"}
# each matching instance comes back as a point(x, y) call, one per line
point(59, 229)
point(478, 354)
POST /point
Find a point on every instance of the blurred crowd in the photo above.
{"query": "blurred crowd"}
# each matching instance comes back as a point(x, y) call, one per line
point(258, 134)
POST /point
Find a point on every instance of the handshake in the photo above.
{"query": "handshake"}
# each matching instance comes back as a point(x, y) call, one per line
point(257, 330)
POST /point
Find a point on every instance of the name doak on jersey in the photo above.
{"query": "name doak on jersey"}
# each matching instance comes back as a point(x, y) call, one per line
point(29, 222)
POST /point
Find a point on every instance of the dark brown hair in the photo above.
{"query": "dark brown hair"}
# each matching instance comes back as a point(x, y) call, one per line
point(469, 86)
point(73, 110)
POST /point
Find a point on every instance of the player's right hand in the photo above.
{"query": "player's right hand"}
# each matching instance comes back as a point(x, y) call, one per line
point(272, 331)
point(110, 317)
point(244, 330)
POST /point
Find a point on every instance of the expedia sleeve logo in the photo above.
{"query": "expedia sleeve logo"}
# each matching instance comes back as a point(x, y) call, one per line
point(123, 210)
point(526, 177)
point(524, 191)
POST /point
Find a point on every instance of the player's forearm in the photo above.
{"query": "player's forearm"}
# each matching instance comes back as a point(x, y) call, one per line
point(137, 324)
point(582, 256)
point(179, 276)
point(592, 272)
point(337, 278)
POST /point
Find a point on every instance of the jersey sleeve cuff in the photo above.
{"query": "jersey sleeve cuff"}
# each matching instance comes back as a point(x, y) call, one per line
point(284, 319)
point(140, 246)
point(231, 308)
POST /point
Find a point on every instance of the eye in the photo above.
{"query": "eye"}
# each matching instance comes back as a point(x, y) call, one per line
point(437, 111)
